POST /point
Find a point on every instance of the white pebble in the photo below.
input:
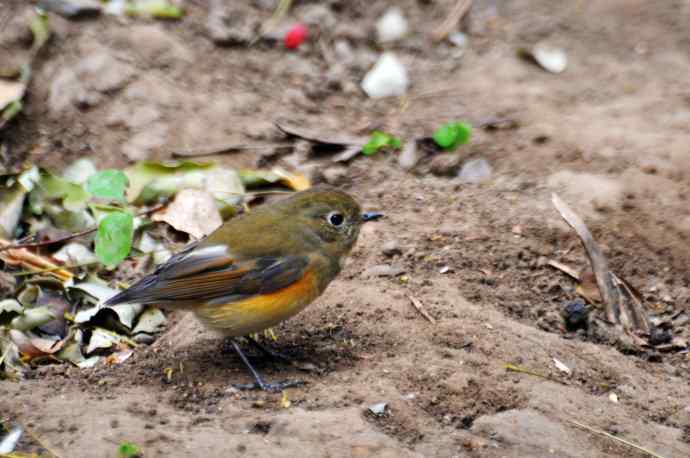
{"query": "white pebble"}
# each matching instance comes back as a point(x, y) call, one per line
point(391, 26)
point(387, 78)
point(475, 171)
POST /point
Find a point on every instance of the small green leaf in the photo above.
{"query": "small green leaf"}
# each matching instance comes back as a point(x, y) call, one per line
point(73, 196)
point(452, 134)
point(464, 132)
point(155, 8)
point(40, 28)
point(12, 110)
point(108, 184)
point(379, 140)
point(114, 238)
point(446, 135)
point(128, 450)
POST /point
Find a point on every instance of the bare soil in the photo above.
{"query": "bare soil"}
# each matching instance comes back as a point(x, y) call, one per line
point(610, 135)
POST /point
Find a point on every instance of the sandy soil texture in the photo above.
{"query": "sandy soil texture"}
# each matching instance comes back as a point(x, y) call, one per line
point(610, 135)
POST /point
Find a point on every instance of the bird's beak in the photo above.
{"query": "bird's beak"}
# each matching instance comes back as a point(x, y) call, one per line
point(371, 216)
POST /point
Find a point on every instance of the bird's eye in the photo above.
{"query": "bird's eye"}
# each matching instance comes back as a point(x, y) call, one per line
point(336, 219)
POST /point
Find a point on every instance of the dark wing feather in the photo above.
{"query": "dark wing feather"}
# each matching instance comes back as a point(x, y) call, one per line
point(209, 273)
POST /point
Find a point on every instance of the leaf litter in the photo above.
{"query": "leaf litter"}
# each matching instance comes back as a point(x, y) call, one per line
point(108, 226)
point(622, 305)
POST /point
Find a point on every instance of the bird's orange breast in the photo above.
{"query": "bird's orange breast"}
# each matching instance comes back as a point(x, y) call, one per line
point(259, 312)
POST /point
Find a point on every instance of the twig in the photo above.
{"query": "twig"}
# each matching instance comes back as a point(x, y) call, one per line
point(225, 149)
point(451, 22)
point(48, 242)
point(623, 306)
point(66, 238)
point(569, 271)
point(522, 370)
point(420, 308)
point(24, 273)
point(617, 439)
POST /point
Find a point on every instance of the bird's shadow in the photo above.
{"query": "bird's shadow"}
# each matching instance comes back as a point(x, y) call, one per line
point(214, 362)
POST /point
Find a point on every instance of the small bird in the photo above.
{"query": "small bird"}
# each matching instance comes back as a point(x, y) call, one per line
point(259, 268)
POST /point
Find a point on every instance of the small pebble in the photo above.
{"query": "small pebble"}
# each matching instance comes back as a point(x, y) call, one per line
point(409, 156)
point(383, 270)
point(475, 171)
point(334, 175)
point(445, 164)
point(391, 248)
point(392, 26)
point(658, 336)
point(575, 314)
point(387, 78)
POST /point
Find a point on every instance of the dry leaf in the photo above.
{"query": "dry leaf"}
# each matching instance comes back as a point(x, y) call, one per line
point(193, 212)
point(33, 262)
point(292, 180)
point(588, 288)
point(320, 136)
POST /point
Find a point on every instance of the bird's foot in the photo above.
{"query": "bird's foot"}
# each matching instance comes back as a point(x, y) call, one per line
point(277, 356)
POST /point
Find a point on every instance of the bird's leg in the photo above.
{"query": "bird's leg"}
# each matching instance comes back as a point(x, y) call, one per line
point(258, 381)
point(268, 352)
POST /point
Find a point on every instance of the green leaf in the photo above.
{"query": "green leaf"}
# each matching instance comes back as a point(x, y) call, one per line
point(40, 28)
point(453, 134)
point(150, 181)
point(379, 140)
point(12, 110)
point(464, 132)
point(155, 8)
point(73, 196)
point(128, 450)
point(446, 135)
point(11, 203)
point(114, 238)
point(108, 184)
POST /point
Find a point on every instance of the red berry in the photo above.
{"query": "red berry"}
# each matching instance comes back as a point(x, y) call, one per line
point(295, 36)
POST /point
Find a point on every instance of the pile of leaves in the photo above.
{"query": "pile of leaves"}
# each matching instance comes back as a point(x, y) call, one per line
point(66, 240)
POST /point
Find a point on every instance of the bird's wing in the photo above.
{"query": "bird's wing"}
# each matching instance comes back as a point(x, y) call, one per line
point(202, 274)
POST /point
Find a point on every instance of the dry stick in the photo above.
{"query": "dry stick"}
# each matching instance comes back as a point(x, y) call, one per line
point(609, 284)
point(70, 236)
point(48, 242)
point(451, 22)
point(566, 269)
point(522, 370)
point(420, 308)
point(225, 149)
point(617, 439)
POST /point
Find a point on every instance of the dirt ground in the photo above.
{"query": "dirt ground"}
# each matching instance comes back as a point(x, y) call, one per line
point(610, 135)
